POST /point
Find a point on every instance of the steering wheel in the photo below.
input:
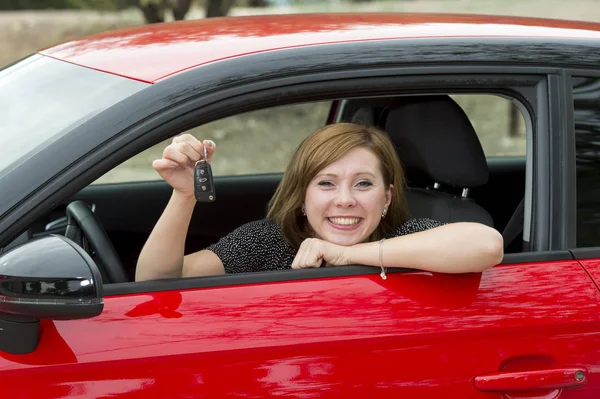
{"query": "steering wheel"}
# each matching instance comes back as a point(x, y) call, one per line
point(82, 224)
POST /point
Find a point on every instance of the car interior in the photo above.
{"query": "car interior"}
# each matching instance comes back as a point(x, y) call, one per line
point(448, 179)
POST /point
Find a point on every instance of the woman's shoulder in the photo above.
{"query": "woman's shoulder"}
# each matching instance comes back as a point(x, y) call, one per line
point(257, 232)
point(415, 225)
point(260, 226)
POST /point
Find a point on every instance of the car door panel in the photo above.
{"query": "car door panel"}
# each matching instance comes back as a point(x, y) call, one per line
point(414, 335)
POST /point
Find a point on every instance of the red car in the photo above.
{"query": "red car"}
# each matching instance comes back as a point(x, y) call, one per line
point(501, 125)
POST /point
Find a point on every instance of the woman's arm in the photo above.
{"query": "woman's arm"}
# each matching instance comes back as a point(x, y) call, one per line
point(162, 255)
point(451, 248)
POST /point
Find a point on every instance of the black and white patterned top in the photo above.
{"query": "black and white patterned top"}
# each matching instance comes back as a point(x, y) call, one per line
point(260, 245)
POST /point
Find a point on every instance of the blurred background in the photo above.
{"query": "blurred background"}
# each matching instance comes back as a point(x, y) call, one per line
point(29, 25)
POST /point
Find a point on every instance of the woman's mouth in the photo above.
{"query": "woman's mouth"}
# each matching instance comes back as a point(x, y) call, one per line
point(344, 222)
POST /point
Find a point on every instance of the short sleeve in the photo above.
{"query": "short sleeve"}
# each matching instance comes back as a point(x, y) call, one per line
point(250, 248)
point(414, 226)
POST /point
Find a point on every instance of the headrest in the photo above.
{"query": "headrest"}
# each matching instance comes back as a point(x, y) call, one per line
point(436, 141)
point(364, 116)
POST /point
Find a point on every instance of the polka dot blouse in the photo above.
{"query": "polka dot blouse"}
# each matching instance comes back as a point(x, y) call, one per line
point(260, 245)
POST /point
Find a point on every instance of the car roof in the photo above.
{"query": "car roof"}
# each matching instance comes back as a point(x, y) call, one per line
point(150, 53)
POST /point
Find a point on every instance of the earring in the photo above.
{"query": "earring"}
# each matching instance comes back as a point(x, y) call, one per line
point(303, 210)
point(384, 213)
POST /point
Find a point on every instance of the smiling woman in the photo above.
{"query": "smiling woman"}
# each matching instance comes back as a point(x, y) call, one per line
point(341, 173)
point(345, 202)
point(340, 198)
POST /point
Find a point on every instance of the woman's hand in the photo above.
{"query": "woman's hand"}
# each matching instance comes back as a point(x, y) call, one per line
point(176, 166)
point(314, 251)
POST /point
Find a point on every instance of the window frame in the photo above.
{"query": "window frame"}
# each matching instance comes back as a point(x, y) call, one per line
point(65, 166)
point(532, 94)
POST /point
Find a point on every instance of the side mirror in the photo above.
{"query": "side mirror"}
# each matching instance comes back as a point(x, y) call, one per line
point(46, 278)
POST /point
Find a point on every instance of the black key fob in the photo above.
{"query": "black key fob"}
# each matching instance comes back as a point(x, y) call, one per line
point(204, 188)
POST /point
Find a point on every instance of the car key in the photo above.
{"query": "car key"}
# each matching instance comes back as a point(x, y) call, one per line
point(204, 188)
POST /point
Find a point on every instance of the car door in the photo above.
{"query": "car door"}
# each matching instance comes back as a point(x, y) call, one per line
point(528, 329)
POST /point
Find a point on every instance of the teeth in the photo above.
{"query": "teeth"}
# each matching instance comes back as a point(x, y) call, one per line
point(344, 221)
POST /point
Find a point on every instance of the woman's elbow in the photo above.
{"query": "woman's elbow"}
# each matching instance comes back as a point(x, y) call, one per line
point(491, 248)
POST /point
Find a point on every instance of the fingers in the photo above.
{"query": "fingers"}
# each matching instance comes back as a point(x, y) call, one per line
point(163, 164)
point(309, 255)
point(314, 252)
point(186, 150)
point(210, 148)
point(198, 145)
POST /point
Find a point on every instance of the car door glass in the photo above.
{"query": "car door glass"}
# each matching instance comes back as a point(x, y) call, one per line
point(255, 142)
point(586, 118)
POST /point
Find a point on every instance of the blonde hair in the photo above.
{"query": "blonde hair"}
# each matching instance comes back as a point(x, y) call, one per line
point(319, 150)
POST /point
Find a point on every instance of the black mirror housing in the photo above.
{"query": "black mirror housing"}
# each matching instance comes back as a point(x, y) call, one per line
point(46, 278)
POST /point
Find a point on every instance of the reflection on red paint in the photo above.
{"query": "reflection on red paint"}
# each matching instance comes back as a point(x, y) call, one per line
point(414, 335)
point(52, 349)
point(149, 53)
point(164, 304)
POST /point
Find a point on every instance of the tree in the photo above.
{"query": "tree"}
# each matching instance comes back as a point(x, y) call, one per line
point(65, 4)
point(217, 8)
point(258, 3)
point(154, 10)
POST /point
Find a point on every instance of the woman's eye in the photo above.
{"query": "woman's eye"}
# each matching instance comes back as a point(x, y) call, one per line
point(325, 183)
point(364, 183)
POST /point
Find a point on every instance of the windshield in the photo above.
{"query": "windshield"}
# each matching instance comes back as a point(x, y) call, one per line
point(40, 98)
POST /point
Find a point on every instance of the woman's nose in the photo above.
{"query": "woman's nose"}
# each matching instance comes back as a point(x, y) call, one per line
point(345, 198)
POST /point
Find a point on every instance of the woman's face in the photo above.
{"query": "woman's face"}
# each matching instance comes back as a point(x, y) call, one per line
point(345, 200)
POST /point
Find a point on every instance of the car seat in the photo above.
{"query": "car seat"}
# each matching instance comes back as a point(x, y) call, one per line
point(441, 154)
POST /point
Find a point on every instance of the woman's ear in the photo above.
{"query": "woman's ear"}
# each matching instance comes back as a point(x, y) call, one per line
point(388, 195)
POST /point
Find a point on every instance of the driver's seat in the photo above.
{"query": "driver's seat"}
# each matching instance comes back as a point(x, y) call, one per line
point(442, 157)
